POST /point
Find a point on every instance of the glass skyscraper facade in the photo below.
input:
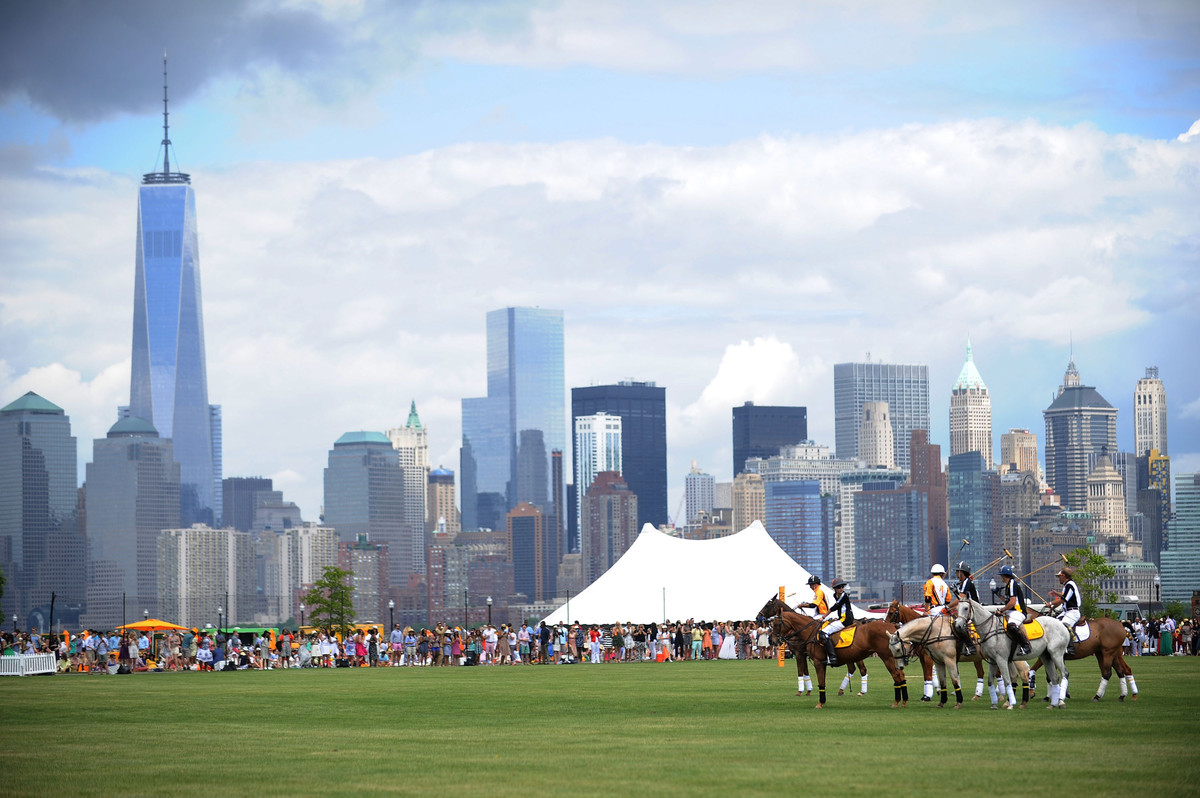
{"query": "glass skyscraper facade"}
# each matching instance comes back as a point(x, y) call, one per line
point(642, 407)
point(509, 435)
point(762, 430)
point(973, 492)
point(169, 380)
point(800, 520)
point(904, 387)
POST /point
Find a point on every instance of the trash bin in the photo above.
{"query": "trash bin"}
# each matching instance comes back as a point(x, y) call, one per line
point(1165, 646)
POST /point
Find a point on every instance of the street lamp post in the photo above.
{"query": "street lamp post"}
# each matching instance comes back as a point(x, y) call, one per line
point(220, 618)
point(1157, 593)
point(14, 623)
point(391, 614)
point(301, 614)
point(992, 585)
point(489, 602)
point(464, 608)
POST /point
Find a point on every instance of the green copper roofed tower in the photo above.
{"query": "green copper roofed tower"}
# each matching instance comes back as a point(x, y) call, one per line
point(169, 381)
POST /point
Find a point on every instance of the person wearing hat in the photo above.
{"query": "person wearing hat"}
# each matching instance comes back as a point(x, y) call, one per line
point(937, 592)
point(840, 615)
point(818, 604)
point(966, 585)
point(1069, 600)
point(1014, 608)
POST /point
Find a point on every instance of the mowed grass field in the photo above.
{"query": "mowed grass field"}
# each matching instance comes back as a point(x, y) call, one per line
point(702, 728)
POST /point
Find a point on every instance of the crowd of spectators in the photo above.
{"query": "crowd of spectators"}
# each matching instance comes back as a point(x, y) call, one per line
point(1147, 637)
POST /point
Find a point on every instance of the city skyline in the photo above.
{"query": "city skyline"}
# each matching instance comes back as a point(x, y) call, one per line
point(727, 256)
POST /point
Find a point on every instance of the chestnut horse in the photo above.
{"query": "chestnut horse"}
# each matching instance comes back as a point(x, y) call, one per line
point(803, 682)
point(800, 633)
point(1104, 643)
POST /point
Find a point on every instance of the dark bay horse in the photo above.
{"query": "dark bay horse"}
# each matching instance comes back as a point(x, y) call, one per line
point(800, 655)
point(799, 632)
point(1104, 643)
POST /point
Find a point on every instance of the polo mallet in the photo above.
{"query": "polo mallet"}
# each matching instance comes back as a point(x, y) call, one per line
point(965, 543)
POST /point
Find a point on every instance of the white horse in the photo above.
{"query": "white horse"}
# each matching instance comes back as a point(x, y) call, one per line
point(996, 647)
point(937, 637)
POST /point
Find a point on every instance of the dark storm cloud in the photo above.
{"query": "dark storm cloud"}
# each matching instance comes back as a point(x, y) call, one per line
point(83, 61)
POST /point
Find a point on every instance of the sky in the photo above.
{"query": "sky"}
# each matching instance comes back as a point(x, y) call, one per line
point(726, 199)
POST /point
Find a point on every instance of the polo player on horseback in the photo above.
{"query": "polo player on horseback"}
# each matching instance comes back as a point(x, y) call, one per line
point(840, 615)
point(937, 592)
point(966, 585)
point(819, 604)
point(1069, 601)
point(1013, 609)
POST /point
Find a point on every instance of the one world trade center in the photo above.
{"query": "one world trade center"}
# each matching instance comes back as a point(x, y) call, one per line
point(169, 381)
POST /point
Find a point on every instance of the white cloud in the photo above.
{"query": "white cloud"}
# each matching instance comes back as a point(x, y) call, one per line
point(1192, 132)
point(1191, 409)
point(336, 292)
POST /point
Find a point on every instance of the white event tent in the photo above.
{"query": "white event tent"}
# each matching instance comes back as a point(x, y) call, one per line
point(662, 578)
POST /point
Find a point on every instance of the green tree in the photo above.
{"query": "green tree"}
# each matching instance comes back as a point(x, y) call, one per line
point(330, 603)
point(1090, 569)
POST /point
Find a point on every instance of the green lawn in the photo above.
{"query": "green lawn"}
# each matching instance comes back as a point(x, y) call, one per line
point(704, 728)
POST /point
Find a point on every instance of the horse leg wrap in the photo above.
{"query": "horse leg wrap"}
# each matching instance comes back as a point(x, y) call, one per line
point(896, 689)
point(1054, 691)
point(958, 698)
point(979, 689)
point(845, 683)
point(1012, 697)
point(943, 695)
point(904, 690)
point(1103, 686)
point(1132, 684)
point(1123, 683)
point(864, 684)
point(1062, 690)
point(992, 693)
point(1025, 693)
point(928, 693)
point(821, 695)
point(808, 684)
point(937, 683)
point(799, 684)
point(1033, 680)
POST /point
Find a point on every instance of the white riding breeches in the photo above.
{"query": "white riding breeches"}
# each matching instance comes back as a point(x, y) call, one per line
point(936, 610)
point(833, 628)
point(1015, 617)
point(1070, 618)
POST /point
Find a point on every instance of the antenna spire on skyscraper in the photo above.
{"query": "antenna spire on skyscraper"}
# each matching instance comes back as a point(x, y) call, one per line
point(166, 175)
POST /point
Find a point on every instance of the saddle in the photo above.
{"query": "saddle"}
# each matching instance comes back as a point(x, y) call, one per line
point(844, 638)
point(1033, 629)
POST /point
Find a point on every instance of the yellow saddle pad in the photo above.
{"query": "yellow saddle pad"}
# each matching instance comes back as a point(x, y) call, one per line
point(844, 637)
point(1033, 629)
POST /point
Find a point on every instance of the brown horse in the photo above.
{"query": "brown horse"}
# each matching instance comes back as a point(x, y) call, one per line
point(803, 682)
point(902, 613)
point(800, 632)
point(1104, 643)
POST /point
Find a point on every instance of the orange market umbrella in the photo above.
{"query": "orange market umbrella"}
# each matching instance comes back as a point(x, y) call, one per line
point(150, 625)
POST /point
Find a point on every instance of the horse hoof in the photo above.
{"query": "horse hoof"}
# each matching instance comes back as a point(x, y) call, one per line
point(926, 698)
point(976, 698)
point(860, 695)
point(819, 706)
point(841, 692)
point(1046, 699)
point(1051, 706)
point(1135, 696)
point(958, 706)
point(1009, 707)
point(993, 706)
point(941, 706)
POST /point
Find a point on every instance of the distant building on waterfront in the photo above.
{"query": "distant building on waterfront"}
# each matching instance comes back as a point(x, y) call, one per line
point(762, 430)
point(971, 412)
point(904, 387)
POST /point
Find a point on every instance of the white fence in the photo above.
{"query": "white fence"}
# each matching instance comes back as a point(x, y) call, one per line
point(27, 664)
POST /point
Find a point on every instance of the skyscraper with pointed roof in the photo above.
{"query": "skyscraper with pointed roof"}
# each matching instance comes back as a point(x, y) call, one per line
point(1150, 415)
point(411, 443)
point(971, 412)
point(1079, 423)
point(169, 380)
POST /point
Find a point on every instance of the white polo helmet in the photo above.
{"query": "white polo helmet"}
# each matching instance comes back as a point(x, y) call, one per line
point(937, 569)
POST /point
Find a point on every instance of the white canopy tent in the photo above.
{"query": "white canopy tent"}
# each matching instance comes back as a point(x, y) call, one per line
point(662, 578)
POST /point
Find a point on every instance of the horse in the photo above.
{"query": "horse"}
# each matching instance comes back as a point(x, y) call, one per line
point(800, 632)
point(1104, 643)
point(902, 613)
point(931, 637)
point(803, 682)
point(997, 647)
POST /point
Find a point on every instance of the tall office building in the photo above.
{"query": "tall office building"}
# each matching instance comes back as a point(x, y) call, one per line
point(314, 548)
point(699, 489)
point(533, 552)
point(598, 440)
point(974, 498)
point(240, 497)
point(927, 477)
point(762, 430)
point(795, 518)
point(169, 378)
point(1181, 560)
point(441, 504)
point(609, 523)
point(904, 387)
point(370, 581)
point(1150, 414)
point(642, 408)
point(509, 434)
point(1019, 452)
point(1154, 503)
point(749, 500)
point(202, 570)
point(971, 412)
point(1106, 506)
point(364, 494)
point(807, 460)
point(850, 483)
point(876, 439)
point(38, 497)
point(411, 443)
point(890, 540)
point(132, 494)
point(1079, 424)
